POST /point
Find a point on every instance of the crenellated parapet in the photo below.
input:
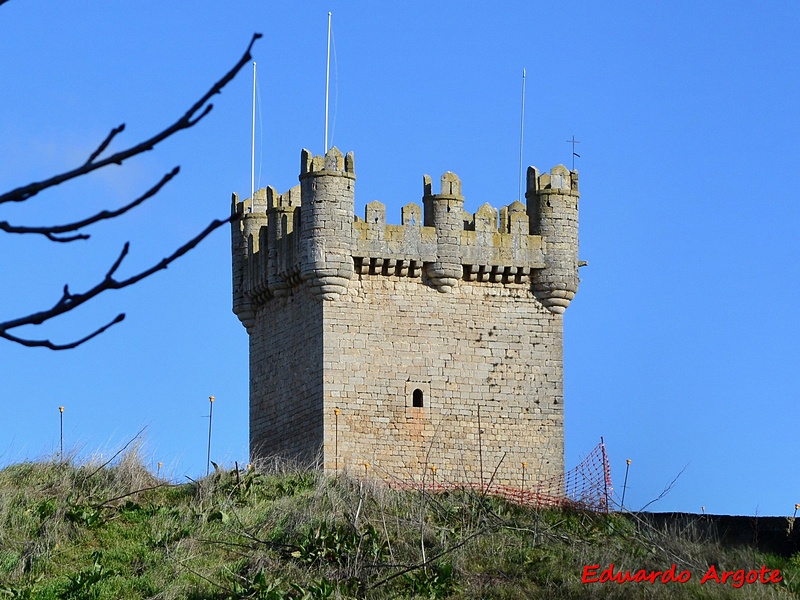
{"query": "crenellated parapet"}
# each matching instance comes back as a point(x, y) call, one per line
point(310, 236)
point(449, 245)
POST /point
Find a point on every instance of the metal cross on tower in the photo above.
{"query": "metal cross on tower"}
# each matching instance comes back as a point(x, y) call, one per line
point(573, 141)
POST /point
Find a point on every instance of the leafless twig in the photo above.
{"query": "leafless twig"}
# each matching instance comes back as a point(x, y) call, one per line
point(189, 119)
point(116, 454)
point(666, 490)
point(52, 232)
point(69, 301)
point(432, 559)
point(134, 492)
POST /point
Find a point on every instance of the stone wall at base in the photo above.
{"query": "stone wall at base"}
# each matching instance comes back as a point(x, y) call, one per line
point(490, 349)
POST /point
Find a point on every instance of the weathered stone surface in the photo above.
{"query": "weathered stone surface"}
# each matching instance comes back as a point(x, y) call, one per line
point(409, 331)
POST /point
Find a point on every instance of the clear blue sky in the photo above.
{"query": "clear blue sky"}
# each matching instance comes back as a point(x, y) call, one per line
point(682, 345)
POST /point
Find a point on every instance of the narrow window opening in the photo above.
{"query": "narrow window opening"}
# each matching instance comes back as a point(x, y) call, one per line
point(416, 399)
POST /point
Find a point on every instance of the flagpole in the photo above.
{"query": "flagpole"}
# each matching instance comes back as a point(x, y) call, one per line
point(327, 81)
point(253, 141)
point(521, 133)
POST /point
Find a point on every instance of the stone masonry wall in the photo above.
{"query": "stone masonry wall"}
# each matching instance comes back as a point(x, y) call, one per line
point(489, 345)
point(286, 387)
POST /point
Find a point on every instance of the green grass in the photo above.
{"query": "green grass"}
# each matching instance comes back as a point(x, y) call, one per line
point(72, 531)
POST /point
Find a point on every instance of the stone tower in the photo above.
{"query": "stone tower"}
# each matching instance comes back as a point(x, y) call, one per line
point(436, 342)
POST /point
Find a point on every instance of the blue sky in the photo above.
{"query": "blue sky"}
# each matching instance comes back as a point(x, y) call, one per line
point(682, 344)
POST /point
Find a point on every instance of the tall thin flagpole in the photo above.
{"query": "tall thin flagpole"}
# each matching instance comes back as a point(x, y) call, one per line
point(253, 140)
point(521, 133)
point(327, 81)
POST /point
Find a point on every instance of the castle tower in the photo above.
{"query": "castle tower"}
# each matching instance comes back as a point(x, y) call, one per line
point(436, 342)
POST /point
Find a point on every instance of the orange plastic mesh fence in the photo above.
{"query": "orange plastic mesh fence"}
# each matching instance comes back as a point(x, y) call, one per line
point(587, 486)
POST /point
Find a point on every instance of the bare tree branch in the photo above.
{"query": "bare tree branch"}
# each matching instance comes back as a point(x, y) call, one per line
point(105, 143)
point(667, 489)
point(48, 344)
point(116, 454)
point(70, 301)
point(189, 119)
point(432, 559)
point(52, 232)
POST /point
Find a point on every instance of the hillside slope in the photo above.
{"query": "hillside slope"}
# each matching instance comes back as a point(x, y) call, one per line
point(118, 531)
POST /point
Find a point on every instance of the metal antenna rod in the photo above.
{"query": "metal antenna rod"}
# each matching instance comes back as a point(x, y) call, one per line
point(327, 81)
point(253, 141)
point(521, 133)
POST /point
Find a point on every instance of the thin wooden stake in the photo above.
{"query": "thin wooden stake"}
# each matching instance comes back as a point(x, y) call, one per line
point(61, 432)
point(210, 417)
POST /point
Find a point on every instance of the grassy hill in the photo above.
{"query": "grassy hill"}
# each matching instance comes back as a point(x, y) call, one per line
point(118, 531)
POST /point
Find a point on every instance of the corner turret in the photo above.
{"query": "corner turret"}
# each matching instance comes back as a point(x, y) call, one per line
point(246, 229)
point(444, 212)
point(552, 200)
point(327, 185)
